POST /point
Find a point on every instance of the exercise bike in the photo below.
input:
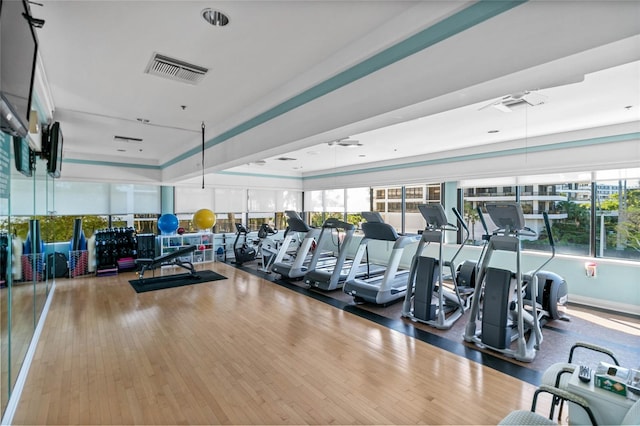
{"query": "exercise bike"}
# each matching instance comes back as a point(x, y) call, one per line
point(242, 252)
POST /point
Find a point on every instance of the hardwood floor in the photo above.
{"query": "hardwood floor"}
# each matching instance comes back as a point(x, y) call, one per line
point(243, 351)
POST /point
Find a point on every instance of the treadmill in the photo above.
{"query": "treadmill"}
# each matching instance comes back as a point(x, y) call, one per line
point(332, 277)
point(391, 286)
point(298, 265)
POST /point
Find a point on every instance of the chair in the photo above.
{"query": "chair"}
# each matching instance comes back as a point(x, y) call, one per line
point(523, 417)
point(556, 375)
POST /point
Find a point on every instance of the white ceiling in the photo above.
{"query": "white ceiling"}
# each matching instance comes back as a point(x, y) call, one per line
point(95, 53)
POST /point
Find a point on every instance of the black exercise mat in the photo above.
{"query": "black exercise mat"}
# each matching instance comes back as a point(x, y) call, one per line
point(178, 280)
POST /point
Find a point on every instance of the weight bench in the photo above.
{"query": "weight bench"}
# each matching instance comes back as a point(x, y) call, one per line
point(169, 259)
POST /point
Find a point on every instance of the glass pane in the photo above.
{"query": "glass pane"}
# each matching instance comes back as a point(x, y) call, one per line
point(229, 200)
point(475, 197)
point(618, 219)
point(391, 211)
point(358, 200)
point(313, 201)
point(315, 219)
point(334, 201)
point(261, 200)
point(6, 167)
point(288, 200)
point(189, 199)
point(132, 198)
point(227, 222)
point(568, 207)
point(71, 198)
point(257, 219)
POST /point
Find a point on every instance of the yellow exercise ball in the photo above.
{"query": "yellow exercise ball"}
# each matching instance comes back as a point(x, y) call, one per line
point(204, 219)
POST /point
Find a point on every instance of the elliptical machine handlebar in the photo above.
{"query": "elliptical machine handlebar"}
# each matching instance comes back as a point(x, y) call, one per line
point(486, 235)
point(460, 220)
point(464, 226)
point(547, 226)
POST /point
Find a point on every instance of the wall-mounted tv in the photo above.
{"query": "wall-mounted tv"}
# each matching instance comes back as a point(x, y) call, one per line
point(18, 48)
point(54, 150)
point(23, 155)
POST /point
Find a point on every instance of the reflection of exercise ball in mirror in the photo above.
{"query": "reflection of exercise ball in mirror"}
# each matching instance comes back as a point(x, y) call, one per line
point(168, 223)
point(204, 219)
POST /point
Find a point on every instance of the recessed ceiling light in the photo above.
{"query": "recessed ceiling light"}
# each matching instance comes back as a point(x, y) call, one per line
point(362, 155)
point(215, 17)
point(628, 107)
point(493, 131)
point(285, 159)
point(122, 150)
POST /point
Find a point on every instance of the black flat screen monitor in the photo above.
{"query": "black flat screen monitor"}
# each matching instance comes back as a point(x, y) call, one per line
point(23, 156)
point(54, 150)
point(18, 48)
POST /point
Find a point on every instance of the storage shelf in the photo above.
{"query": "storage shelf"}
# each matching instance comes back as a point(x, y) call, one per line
point(203, 241)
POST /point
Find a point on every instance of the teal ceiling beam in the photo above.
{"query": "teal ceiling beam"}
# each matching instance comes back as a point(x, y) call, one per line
point(448, 27)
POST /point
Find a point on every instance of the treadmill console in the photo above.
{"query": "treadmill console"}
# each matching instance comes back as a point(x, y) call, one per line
point(372, 217)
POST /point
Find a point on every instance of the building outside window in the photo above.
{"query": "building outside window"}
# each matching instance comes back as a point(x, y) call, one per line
point(618, 219)
point(388, 202)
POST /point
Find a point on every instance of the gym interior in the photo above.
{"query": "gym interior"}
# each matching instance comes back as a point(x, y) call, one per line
point(368, 212)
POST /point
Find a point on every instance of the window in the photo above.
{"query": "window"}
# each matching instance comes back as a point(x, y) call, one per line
point(147, 223)
point(414, 192)
point(434, 193)
point(618, 219)
point(394, 207)
point(256, 220)
point(412, 207)
point(227, 222)
point(475, 197)
point(394, 193)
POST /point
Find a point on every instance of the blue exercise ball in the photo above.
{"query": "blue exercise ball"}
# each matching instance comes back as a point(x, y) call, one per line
point(168, 224)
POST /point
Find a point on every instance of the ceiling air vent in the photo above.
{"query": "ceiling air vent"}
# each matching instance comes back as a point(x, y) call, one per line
point(509, 102)
point(126, 139)
point(349, 143)
point(175, 69)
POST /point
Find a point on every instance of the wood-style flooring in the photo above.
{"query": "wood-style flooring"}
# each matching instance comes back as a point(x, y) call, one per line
point(243, 351)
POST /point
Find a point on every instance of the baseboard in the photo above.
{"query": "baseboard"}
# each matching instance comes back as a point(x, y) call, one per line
point(608, 305)
point(12, 405)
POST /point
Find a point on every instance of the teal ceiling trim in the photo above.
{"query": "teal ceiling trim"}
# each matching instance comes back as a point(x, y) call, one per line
point(260, 175)
point(454, 24)
point(484, 155)
point(111, 164)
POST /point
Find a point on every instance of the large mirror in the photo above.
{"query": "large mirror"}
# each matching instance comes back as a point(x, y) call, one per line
point(27, 196)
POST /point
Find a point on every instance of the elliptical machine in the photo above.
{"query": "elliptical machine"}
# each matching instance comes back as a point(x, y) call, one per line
point(243, 253)
point(427, 300)
point(502, 292)
point(267, 247)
